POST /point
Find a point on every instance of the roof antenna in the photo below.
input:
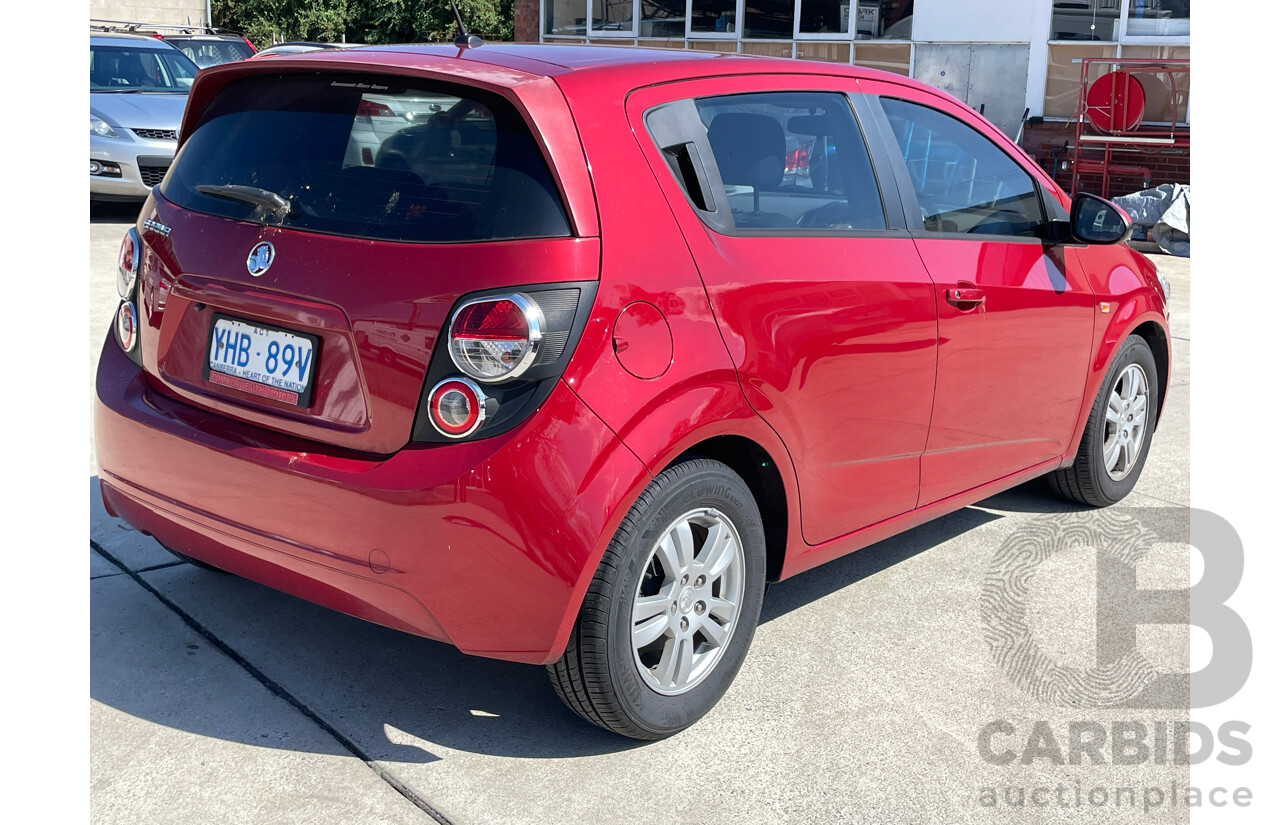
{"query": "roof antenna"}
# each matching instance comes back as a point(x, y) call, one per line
point(463, 39)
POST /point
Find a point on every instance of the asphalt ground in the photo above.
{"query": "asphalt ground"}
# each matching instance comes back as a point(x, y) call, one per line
point(864, 698)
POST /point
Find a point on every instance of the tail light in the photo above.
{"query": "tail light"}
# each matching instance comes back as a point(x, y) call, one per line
point(252, 49)
point(369, 108)
point(127, 264)
point(496, 339)
point(797, 161)
point(510, 348)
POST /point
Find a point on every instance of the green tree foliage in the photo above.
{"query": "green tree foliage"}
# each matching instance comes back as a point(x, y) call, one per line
point(362, 21)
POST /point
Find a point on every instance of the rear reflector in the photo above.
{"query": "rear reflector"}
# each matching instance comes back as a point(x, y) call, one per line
point(457, 407)
point(127, 326)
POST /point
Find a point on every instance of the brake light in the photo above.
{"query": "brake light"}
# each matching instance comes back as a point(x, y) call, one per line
point(496, 338)
point(456, 407)
point(252, 50)
point(369, 108)
point(127, 264)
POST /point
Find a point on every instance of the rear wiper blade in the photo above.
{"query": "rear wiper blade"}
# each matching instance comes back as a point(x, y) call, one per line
point(268, 202)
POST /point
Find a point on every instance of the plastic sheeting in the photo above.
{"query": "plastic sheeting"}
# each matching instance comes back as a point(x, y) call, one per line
point(1162, 216)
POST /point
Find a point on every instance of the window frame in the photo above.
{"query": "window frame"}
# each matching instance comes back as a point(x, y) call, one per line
point(739, 10)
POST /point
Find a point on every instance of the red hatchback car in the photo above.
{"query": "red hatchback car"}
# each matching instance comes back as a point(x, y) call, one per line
point(576, 360)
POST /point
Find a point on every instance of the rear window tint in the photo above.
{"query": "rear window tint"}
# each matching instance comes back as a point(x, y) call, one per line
point(211, 52)
point(368, 157)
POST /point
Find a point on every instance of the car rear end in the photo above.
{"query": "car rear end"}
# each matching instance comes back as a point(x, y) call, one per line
point(344, 380)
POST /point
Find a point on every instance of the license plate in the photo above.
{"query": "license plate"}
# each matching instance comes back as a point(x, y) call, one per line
point(265, 361)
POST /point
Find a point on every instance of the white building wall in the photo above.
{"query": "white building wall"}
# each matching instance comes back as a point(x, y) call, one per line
point(150, 11)
point(980, 21)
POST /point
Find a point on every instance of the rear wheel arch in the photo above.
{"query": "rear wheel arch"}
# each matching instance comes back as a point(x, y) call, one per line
point(755, 466)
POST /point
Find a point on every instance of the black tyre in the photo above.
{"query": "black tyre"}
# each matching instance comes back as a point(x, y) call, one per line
point(1117, 436)
point(671, 611)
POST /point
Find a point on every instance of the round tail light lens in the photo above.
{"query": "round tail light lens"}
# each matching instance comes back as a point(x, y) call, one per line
point(127, 264)
point(496, 338)
point(127, 326)
point(456, 407)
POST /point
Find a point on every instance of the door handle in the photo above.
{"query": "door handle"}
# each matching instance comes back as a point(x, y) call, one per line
point(966, 297)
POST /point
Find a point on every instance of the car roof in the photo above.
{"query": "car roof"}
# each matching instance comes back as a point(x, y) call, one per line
point(621, 66)
point(200, 36)
point(122, 39)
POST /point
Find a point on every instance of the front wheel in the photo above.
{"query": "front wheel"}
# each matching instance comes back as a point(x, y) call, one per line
point(1117, 437)
point(671, 611)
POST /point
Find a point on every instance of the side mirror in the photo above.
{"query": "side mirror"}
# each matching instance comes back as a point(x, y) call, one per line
point(1097, 220)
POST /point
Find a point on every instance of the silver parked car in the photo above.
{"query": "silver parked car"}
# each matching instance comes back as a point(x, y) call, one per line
point(137, 92)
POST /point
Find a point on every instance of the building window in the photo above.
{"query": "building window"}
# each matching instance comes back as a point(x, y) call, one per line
point(565, 17)
point(887, 57)
point(769, 19)
point(763, 19)
point(613, 16)
point(1166, 95)
point(1062, 86)
point(884, 20)
point(1159, 18)
point(824, 16)
point(1086, 20)
point(713, 17)
point(826, 52)
point(662, 18)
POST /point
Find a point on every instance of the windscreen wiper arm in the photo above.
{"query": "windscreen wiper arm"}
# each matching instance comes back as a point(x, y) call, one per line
point(264, 199)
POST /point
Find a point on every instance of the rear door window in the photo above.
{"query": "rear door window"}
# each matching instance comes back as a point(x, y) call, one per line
point(792, 161)
point(368, 157)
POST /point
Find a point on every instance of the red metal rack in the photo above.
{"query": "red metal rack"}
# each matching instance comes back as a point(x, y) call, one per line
point(1113, 130)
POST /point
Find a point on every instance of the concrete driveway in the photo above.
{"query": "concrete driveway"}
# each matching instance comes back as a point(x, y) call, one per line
point(864, 697)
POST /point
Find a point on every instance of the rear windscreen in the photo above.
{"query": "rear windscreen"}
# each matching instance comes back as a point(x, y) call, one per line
point(206, 53)
point(368, 157)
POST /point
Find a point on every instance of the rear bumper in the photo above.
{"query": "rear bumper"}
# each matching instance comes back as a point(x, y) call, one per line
point(487, 545)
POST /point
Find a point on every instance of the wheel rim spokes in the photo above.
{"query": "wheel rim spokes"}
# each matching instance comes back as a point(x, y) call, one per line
point(687, 602)
point(1126, 422)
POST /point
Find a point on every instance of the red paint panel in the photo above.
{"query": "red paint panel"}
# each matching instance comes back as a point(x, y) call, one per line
point(517, 520)
point(839, 357)
point(1012, 370)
